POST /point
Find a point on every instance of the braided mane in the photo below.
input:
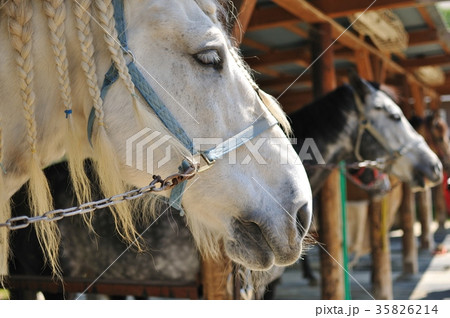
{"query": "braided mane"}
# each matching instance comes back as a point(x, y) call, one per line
point(19, 14)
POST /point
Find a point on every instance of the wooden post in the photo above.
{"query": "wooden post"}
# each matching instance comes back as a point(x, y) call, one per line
point(417, 94)
point(330, 233)
point(215, 274)
point(439, 204)
point(425, 209)
point(364, 64)
point(407, 215)
point(381, 251)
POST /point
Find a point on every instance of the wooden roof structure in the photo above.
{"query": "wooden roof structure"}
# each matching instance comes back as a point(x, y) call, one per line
point(275, 39)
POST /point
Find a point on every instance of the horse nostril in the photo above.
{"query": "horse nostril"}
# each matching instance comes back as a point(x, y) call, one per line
point(304, 219)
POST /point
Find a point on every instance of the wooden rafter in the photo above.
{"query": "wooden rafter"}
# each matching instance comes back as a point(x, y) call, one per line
point(243, 19)
point(426, 17)
point(422, 37)
point(292, 101)
point(429, 21)
point(281, 83)
point(308, 13)
point(296, 30)
point(426, 61)
point(300, 56)
point(256, 45)
point(265, 18)
point(334, 8)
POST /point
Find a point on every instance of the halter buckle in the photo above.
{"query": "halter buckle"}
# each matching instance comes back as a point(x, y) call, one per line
point(209, 163)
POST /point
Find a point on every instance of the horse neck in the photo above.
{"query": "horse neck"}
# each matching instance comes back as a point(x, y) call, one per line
point(331, 122)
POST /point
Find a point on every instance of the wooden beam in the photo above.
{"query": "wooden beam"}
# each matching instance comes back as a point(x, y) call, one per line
point(307, 12)
point(243, 19)
point(426, 61)
point(271, 17)
point(301, 56)
point(335, 9)
point(423, 37)
point(292, 102)
point(281, 83)
point(296, 30)
point(255, 45)
point(426, 17)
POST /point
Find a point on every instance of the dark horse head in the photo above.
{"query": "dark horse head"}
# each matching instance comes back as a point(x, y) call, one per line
point(434, 128)
point(359, 122)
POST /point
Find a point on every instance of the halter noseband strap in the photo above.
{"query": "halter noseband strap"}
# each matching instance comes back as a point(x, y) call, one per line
point(169, 121)
point(364, 124)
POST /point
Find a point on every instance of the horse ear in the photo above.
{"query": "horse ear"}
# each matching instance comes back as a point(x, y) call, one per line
point(360, 86)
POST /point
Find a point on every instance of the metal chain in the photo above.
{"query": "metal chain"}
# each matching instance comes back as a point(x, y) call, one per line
point(157, 185)
point(375, 164)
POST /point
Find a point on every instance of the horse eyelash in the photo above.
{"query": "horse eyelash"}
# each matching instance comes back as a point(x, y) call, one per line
point(210, 57)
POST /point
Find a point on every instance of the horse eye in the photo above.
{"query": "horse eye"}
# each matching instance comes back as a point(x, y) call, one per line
point(210, 57)
point(396, 117)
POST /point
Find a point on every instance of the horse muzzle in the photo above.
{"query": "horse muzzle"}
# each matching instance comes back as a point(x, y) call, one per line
point(426, 176)
point(259, 245)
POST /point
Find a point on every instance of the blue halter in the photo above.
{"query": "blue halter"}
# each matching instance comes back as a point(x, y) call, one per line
point(166, 117)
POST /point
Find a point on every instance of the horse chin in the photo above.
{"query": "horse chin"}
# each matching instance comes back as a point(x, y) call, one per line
point(421, 183)
point(250, 248)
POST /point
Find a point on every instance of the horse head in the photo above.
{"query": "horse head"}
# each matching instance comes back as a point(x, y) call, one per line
point(436, 135)
point(255, 189)
point(383, 133)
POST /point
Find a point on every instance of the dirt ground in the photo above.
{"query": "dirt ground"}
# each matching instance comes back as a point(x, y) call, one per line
point(432, 282)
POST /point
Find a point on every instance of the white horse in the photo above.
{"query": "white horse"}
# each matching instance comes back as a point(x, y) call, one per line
point(54, 57)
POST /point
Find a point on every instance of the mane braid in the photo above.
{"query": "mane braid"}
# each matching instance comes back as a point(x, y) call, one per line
point(56, 13)
point(19, 14)
point(326, 117)
point(105, 158)
point(108, 25)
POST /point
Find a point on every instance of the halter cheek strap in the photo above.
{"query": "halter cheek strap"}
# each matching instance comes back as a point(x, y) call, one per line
point(364, 124)
point(166, 117)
